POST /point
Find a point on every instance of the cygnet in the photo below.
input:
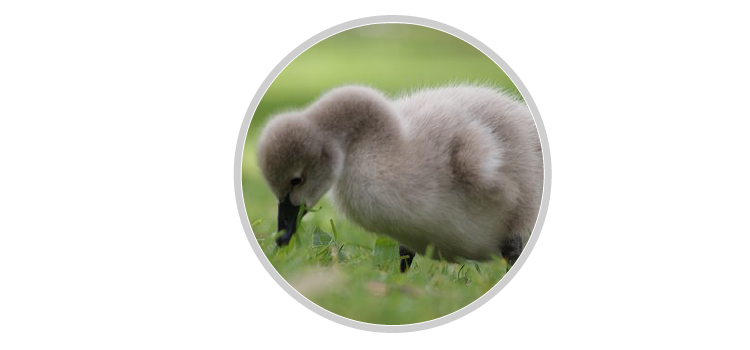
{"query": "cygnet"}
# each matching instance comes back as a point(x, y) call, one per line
point(459, 167)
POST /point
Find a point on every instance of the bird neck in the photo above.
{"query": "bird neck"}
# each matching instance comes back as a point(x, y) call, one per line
point(358, 118)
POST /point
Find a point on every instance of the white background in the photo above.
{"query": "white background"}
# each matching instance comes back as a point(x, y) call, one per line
point(118, 221)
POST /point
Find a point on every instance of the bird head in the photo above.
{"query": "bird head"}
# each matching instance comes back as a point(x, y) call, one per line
point(299, 163)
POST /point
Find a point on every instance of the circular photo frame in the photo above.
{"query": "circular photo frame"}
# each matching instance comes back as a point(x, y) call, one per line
point(341, 266)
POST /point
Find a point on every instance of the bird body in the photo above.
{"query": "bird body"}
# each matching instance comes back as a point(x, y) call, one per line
point(459, 168)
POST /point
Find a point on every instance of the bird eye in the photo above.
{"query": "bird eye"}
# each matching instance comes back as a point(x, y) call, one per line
point(296, 181)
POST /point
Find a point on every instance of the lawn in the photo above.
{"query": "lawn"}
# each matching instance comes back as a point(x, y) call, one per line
point(330, 260)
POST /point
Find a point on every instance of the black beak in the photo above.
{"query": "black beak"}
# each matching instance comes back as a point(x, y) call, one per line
point(287, 221)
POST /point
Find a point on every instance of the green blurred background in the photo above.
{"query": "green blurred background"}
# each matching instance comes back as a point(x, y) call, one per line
point(352, 272)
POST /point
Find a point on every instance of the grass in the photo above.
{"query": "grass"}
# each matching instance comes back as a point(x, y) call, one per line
point(333, 262)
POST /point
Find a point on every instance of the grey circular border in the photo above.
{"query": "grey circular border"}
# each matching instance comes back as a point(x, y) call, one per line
point(246, 221)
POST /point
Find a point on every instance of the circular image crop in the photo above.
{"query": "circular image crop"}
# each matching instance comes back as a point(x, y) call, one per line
point(392, 174)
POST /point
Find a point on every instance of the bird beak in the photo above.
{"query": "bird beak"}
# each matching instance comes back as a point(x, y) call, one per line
point(287, 220)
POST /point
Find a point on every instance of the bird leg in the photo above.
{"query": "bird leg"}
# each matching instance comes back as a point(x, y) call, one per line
point(511, 248)
point(406, 257)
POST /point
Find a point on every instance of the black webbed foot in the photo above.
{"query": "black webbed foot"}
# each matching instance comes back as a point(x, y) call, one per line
point(406, 257)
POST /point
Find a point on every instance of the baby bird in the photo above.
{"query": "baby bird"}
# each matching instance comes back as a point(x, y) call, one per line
point(459, 168)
